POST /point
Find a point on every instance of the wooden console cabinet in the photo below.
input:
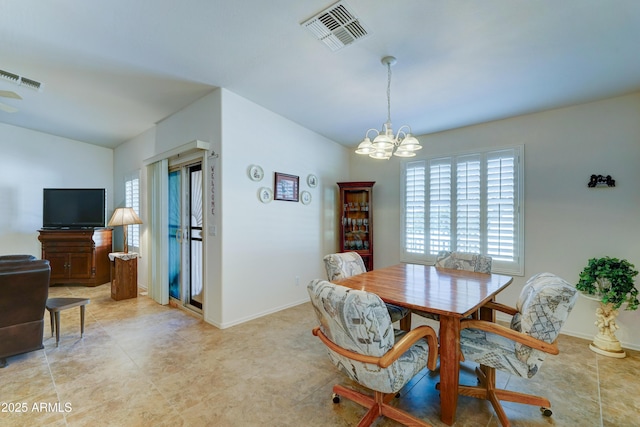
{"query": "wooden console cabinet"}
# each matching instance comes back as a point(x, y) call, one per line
point(78, 256)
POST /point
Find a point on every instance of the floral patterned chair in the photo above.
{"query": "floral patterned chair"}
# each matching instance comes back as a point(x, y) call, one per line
point(347, 264)
point(464, 261)
point(357, 330)
point(459, 261)
point(541, 310)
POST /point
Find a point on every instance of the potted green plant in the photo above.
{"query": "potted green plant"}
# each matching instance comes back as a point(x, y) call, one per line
point(609, 281)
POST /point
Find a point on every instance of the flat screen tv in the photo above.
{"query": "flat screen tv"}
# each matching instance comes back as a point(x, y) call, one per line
point(74, 207)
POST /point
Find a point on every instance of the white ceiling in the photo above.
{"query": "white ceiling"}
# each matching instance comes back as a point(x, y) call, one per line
point(111, 69)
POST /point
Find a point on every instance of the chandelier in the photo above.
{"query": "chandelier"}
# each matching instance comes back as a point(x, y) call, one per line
point(385, 143)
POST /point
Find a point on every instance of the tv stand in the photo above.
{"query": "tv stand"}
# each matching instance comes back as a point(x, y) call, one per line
point(77, 255)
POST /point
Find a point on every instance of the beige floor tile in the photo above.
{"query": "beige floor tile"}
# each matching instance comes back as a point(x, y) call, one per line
point(142, 364)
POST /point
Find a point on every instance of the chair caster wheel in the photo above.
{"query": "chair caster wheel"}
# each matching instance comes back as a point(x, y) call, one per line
point(546, 411)
point(336, 398)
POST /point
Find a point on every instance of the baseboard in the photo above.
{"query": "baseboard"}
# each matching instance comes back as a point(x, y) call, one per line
point(257, 315)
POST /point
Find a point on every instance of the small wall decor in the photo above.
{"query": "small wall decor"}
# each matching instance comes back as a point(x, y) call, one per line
point(305, 197)
point(265, 194)
point(601, 180)
point(312, 181)
point(255, 173)
point(286, 187)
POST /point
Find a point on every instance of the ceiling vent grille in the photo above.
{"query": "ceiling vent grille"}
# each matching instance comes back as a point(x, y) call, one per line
point(336, 26)
point(21, 81)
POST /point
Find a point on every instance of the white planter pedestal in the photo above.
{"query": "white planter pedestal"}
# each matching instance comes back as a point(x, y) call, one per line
point(605, 341)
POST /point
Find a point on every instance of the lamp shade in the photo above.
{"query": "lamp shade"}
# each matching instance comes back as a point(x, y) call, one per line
point(410, 143)
point(124, 216)
point(365, 147)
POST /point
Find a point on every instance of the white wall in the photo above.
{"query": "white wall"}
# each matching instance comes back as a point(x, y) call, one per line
point(198, 121)
point(201, 121)
point(566, 223)
point(31, 161)
point(266, 246)
point(258, 249)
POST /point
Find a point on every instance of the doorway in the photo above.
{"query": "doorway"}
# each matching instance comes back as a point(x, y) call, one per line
point(185, 235)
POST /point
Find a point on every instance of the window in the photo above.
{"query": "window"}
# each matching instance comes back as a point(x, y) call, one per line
point(467, 203)
point(132, 200)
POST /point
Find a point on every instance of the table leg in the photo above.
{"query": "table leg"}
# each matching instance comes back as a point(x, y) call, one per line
point(487, 314)
point(81, 321)
point(57, 327)
point(449, 367)
point(51, 320)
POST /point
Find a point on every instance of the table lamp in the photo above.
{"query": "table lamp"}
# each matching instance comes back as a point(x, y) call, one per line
point(124, 217)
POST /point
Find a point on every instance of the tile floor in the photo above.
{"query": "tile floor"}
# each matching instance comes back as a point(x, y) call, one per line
point(142, 364)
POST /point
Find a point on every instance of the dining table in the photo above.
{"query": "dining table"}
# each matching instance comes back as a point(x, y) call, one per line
point(451, 294)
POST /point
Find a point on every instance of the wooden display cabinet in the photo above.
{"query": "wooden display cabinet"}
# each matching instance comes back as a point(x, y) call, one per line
point(77, 256)
point(356, 220)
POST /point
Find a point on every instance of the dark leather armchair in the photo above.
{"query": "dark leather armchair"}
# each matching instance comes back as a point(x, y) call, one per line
point(24, 288)
point(17, 258)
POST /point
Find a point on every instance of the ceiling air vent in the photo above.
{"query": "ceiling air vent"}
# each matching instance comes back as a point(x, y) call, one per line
point(13, 78)
point(20, 81)
point(336, 26)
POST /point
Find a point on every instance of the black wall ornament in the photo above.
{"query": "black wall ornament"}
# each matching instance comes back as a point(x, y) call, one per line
point(600, 181)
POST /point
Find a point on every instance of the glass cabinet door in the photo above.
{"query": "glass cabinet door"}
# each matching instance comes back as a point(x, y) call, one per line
point(356, 221)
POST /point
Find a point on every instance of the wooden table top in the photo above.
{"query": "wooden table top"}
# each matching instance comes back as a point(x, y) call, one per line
point(454, 293)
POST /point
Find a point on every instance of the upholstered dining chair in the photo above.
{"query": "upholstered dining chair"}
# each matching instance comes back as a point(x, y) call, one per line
point(459, 261)
point(357, 330)
point(347, 264)
point(541, 310)
point(464, 261)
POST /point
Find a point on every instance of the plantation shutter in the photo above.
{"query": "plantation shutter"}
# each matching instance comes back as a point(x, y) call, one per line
point(414, 208)
point(465, 203)
point(439, 205)
point(501, 205)
point(132, 200)
point(468, 212)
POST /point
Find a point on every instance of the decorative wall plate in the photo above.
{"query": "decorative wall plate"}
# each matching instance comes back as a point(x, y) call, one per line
point(255, 173)
point(265, 194)
point(312, 181)
point(305, 197)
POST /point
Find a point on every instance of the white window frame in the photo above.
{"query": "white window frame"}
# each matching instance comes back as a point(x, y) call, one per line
point(418, 212)
point(132, 200)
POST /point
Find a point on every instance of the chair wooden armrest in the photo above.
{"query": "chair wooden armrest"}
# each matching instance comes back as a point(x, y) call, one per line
point(408, 340)
point(525, 339)
point(501, 307)
point(395, 352)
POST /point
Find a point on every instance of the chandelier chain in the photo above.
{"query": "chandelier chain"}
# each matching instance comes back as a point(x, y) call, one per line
point(388, 92)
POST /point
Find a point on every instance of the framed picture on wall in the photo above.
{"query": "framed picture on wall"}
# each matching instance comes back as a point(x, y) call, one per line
point(286, 187)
